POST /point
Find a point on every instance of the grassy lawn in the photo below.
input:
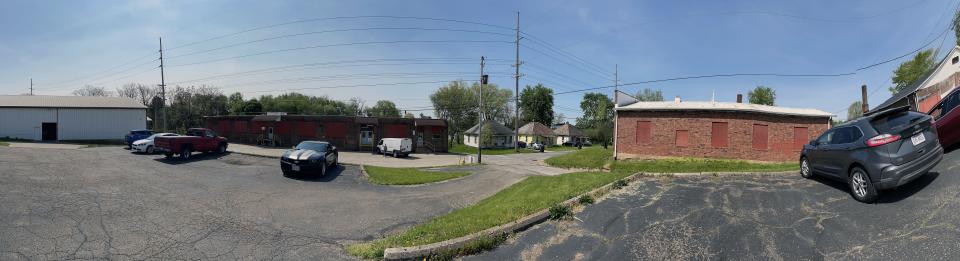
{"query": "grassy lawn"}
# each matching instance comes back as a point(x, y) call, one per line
point(524, 198)
point(408, 176)
point(596, 157)
point(4, 144)
point(588, 158)
point(464, 149)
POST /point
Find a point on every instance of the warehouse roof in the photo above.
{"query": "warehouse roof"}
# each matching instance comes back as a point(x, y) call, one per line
point(722, 106)
point(44, 101)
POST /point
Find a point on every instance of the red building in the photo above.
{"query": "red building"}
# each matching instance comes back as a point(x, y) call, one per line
point(345, 132)
point(715, 130)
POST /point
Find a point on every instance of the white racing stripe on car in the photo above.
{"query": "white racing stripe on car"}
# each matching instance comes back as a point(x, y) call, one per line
point(293, 155)
point(306, 154)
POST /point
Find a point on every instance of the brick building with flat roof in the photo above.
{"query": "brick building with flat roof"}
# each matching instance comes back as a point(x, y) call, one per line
point(347, 132)
point(715, 130)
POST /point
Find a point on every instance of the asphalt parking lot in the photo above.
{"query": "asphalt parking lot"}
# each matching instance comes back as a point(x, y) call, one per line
point(107, 203)
point(754, 218)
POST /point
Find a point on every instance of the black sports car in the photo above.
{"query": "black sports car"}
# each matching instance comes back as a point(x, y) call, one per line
point(309, 156)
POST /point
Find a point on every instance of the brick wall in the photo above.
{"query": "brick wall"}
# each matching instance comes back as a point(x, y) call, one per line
point(697, 126)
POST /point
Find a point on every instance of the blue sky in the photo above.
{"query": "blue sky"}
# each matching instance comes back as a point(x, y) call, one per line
point(63, 45)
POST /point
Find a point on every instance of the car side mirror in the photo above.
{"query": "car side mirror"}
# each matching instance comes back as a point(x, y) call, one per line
point(813, 143)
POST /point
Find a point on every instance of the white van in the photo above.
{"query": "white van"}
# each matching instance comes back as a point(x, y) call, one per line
point(398, 147)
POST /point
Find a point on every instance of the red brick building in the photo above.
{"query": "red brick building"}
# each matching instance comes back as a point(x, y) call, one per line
point(345, 132)
point(715, 130)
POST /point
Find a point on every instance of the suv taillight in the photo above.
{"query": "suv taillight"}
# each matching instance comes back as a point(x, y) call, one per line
point(882, 139)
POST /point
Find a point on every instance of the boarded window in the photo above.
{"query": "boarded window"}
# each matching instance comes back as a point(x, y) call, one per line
point(683, 138)
point(337, 130)
point(800, 137)
point(719, 134)
point(643, 132)
point(760, 136)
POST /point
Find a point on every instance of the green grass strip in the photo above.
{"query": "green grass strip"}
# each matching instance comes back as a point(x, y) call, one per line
point(519, 200)
point(408, 176)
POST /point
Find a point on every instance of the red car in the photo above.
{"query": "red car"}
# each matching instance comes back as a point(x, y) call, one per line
point(946, 118)
point(196, 139)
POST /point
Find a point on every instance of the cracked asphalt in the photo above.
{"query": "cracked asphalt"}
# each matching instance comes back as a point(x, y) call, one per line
point(753, 218)
point(107, 203)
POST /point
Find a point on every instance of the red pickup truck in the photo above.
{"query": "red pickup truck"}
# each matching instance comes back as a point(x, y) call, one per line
point(196, 139)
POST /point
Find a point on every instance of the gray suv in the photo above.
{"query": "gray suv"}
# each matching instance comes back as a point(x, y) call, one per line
point(879, 151)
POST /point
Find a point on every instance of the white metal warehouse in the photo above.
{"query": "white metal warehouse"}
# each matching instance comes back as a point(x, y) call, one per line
point(69, 117)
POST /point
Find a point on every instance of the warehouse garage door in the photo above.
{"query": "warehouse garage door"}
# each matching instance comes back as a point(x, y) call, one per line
point(48, 131)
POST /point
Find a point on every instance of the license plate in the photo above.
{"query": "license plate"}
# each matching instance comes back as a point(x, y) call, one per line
point(918, 139)
point(294, 167)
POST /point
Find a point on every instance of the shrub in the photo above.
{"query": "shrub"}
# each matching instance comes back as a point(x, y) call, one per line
point(585, 199)
point(619, 184)
point(559, 212)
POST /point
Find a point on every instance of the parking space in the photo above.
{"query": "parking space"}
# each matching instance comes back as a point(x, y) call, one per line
point(110, 203)
point(417, 160)
point(754, 218)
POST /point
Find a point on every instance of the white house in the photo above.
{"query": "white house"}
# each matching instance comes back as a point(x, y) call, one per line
point(923, 94)
point(567, 132)
point(69, 117)
point(502, 136)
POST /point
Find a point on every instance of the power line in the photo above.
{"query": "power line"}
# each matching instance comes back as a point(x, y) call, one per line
point(354, 76)
point(363, 62)
point(105, 76)
point(906, 54)
point(560, 51)
point(543, 69)
point(334, 31)
point(565, 62)
point(97, 73)
point(347, 86)
point(709, 76)
point(337, 45)
point(337, 18)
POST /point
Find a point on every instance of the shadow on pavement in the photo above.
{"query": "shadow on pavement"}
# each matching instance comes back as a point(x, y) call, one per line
point(332, 173)
point(890, 195)
point(194, 157)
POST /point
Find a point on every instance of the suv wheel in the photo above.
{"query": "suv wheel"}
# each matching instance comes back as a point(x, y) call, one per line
point(860, 186)
point(805, 170)
point(222, 148)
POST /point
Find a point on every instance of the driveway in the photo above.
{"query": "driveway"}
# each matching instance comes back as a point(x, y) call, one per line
point(108, 203)
point(417, 160)
point(754, 218)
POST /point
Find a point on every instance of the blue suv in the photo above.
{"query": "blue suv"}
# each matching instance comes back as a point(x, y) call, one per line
point(136, 135)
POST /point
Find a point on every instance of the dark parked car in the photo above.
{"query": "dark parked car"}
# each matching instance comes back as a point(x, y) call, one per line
point(521, 144)
point(946, 118)
point(136, 135)
point(879, 151)
point(309, 156)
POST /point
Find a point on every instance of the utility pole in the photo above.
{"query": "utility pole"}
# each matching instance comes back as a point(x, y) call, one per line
point(863, 94)
point(483, 80)
point(516, 94)
point(31, 86)
point(616, 103)
point(163, 89)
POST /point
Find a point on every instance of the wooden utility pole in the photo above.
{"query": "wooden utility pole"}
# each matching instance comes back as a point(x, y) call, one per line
point(31, 86)
point(163, 90)
point(516, 94)
point(483, 80)
point(863, 93)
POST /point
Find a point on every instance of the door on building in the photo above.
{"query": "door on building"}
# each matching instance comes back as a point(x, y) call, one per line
point(48, 131)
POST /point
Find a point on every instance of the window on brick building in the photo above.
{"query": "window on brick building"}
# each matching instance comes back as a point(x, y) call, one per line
point(800, 137)
point(718, 134)
point(683, 138)
point(760, 136)
point(643, 132)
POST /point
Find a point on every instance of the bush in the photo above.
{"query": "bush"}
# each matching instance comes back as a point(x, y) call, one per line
point(619, 184)
point(559, 212)
point(585, 199)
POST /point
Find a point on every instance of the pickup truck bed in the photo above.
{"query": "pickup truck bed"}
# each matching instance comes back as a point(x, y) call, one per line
point(197, 139)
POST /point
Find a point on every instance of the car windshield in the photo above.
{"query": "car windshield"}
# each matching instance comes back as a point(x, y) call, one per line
point(312, 146)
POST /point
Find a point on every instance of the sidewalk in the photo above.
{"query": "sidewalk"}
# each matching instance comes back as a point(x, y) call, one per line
point(358, 158)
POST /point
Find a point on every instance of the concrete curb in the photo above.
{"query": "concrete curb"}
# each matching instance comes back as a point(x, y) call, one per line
point(401, 253)
point(363, 172)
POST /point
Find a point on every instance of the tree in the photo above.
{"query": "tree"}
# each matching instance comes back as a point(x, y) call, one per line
point(559, 118)
point(252, 106)
point(911, 71)
point(536, 104)
point(384, 108)
point(236, 103)
point(91, 90)
point(138, 92)
point(855, 110)
point(597, 117)
point(762, 95)
point(495, 102)
point(649, 95)
point(486, 135)
point(956, 26)
point(457, 103)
